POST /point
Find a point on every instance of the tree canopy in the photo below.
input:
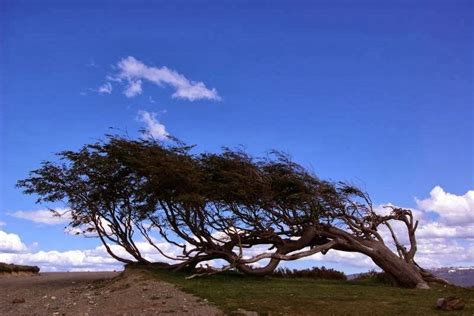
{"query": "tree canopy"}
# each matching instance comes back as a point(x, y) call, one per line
point(217, 206)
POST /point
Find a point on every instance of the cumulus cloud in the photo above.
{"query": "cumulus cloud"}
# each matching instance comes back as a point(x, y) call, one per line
point(154, 129)
point(452, 209)
point(442, 214)
point(11, 243)
point(44, 216)
point(454, 215)
point(133, 71)
point(106, 88)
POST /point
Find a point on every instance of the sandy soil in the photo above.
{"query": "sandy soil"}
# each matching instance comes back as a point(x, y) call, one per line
point(96, 293)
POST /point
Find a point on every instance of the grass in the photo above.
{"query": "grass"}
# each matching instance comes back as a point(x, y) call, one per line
point(276, 296)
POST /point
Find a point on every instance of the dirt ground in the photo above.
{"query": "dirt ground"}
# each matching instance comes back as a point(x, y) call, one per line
point(96, 293)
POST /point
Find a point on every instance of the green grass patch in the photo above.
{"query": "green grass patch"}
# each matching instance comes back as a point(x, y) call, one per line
point(276, 296)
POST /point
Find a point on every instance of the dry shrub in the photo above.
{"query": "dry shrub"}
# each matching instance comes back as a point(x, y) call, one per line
point(374, 276)
point(313, 273)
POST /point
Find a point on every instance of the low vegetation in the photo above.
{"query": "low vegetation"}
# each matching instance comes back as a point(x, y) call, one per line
point(13, 268)
point(303, 296)
point(373, 276)
point(313, 273)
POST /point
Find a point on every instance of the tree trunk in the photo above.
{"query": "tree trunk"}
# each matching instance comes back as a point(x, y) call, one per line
point(401, 273)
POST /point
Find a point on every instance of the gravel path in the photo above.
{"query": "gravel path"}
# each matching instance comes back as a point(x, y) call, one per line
point(96, 293)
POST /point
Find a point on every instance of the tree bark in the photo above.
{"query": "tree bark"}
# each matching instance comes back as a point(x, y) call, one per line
point(401, 273)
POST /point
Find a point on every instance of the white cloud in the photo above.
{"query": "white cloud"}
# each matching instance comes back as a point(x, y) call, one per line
point(437, 230)
point(11, 243)
point(133, 71)
point(44, 216)
point(154, 129)
point(444, 252)
point(452, 209)
point(386, 209)
point(72, 260)
point(353, 259)
point(134, 88)
point(106, 88)
point(96, 259)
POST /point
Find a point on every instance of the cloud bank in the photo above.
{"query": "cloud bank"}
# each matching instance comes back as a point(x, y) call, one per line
point(96, 259)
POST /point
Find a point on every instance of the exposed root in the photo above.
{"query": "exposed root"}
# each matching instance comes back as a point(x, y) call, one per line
point(430, 277)
point(208, 270)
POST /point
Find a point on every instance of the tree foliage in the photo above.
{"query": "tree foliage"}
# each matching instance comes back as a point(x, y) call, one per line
point(218, 206)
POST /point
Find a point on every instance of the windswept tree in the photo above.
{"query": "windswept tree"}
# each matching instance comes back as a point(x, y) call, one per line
point(218, 206)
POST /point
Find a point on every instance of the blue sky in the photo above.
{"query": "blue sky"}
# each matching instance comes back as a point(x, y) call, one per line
point(377, 94)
